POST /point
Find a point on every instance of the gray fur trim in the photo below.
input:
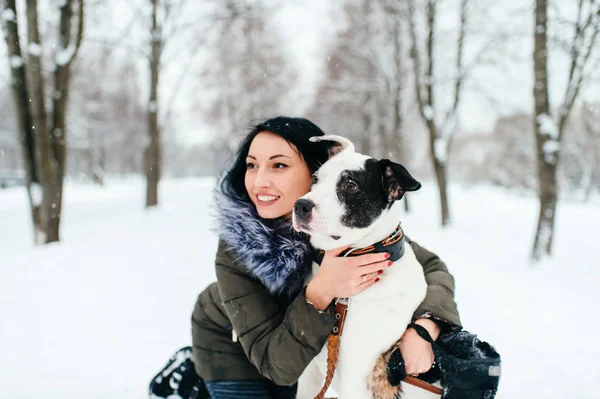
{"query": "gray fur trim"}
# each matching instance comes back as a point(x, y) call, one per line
point(271, 250)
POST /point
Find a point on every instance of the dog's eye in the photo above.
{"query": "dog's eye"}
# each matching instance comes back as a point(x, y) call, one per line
point(350, 186)
point(315, 179)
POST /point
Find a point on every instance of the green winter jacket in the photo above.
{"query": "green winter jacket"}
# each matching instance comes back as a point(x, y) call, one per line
point(277, 336)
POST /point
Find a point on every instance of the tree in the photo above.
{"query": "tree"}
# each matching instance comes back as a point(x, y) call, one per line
point(42, 133)
point(591, 122)
point(167, 23)
point(548, 133)
point(152, 161)
point(355, 97)
point(442, 132)
point(246, 77)
point(394, 12)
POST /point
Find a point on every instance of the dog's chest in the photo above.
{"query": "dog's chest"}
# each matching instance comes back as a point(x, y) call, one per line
point(376, 319)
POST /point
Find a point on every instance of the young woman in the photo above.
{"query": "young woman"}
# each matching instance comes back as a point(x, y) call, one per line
point(258, 326)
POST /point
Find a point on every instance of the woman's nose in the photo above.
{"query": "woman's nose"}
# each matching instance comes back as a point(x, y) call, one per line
point(263, 179)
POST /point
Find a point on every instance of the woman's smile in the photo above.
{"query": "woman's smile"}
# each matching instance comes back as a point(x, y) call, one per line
point(266, 199)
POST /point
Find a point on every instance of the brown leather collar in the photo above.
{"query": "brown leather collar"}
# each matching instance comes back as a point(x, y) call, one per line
point(393, 244)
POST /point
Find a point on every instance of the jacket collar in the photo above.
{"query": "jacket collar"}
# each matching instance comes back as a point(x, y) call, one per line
point(271, 250)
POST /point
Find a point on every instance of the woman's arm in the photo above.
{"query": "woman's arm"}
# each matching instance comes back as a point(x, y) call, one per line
point(279, 341)
point(439, 304)
point(437, 313)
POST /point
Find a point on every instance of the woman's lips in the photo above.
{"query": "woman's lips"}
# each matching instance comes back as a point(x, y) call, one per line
point(266, 200)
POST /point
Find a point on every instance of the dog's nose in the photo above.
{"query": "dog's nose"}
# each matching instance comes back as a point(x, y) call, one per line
point(302, 207)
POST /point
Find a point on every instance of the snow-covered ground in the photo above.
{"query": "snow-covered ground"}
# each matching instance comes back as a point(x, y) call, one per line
point(98, 314)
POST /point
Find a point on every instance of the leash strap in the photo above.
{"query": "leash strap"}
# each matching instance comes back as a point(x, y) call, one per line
point(333, 343)
point(422, 384)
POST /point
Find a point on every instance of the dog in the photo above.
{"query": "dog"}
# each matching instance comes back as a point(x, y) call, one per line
point(354, 201)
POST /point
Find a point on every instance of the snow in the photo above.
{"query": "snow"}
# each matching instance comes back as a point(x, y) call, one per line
point(37, 194)
point(34, 49)
point(65, 56)
point(8, 15)
point(16, 61)
point(547, 125)
point(152, 107)
point(551, 146)
point(99, 314)
point(440, 149)
point(428, 112)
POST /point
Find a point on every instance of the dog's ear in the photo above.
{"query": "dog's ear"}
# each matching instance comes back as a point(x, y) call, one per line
point(396, 180)
point(337, 144)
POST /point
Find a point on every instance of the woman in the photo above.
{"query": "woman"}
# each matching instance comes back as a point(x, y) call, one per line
point(258, 326)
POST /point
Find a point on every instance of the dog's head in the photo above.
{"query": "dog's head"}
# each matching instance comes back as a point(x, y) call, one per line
point(351, 192)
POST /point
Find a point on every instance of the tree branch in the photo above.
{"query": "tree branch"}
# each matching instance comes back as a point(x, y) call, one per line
point(451, 115)
point(577, 69)
point(416, 57)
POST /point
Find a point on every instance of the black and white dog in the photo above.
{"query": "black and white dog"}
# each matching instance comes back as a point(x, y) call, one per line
point(354, 201)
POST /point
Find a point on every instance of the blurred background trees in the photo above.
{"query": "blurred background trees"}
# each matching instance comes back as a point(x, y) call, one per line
point(460, 91)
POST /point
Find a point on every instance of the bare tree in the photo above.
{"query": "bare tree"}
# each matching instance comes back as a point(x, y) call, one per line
point(42, 133)
point(152, 153)
point(167, 24)
point(247, 71)
point(354, 99)
point(548, 133)
point(591, 122)
point(394, 12)
point(440, 133)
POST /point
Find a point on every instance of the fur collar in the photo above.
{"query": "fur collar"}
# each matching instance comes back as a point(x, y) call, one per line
point(271, 250)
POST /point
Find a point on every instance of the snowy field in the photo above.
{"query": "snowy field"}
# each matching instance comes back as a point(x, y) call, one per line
point(97, 315)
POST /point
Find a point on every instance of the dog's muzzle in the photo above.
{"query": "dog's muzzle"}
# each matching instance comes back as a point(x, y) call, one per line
point(303, 208)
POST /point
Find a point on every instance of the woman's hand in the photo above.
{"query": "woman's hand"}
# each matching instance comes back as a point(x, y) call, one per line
point(417, 353)
point(342, 277)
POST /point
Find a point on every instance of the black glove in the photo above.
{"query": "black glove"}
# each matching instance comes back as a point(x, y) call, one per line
point(396, 370)
point(468, 367)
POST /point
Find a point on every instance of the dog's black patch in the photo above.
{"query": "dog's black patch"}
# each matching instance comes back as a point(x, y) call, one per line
point(367, 192)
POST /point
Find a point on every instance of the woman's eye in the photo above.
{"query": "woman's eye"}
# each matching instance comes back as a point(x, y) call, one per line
point(315, 179)
point(250, 165)
point(350, 186)
point(280, 165)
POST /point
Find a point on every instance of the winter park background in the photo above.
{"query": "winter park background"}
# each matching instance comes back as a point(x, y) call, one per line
point(97, 313)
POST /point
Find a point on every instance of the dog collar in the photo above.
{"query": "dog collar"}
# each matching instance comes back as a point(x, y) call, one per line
point(393, 245)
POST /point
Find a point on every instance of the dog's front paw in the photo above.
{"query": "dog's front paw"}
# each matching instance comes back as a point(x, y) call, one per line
point(378, 381)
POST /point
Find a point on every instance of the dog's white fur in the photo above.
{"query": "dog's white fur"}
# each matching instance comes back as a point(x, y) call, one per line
point(378, 316)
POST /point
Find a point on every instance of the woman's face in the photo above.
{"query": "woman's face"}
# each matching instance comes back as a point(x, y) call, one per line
point(276, 175)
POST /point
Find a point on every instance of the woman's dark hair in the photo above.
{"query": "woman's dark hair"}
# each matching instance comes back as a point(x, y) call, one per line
point(296, 131)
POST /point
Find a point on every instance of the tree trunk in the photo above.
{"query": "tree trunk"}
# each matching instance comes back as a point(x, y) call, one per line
point(42, 139)
point(442, 181)
point(58, 140)
point(23, 113)
point(44, 195)
point(397, 116)
point(546, 163)
point(365, 138)
point(439, 165)
point(152, 152)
